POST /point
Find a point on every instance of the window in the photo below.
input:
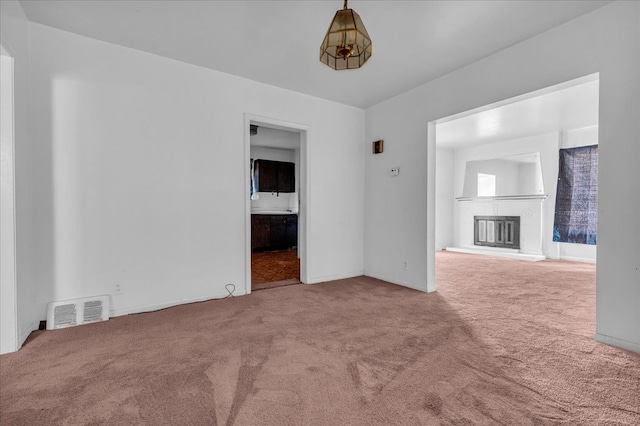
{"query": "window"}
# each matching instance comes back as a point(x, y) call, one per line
point(486, 185)
point(576, 211)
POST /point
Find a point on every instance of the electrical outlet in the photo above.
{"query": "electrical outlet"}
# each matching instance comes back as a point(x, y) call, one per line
point(405, 266)
point(117, 290)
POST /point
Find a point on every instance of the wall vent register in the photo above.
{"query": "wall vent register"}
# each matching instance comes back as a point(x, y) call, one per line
point(497, 231)
point(69, 313)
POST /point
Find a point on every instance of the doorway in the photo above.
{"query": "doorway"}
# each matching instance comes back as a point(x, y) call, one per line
point(518, 142)
point(277, 203)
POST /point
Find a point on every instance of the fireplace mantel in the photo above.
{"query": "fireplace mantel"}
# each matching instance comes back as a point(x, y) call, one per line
point(505, 198)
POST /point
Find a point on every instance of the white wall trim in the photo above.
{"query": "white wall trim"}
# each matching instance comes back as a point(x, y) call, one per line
point(431, 207)
point(430, 289)
point(612, 341)
point(158, 306)
point(25, 333)
point(303, 208)
point(578, 259)
point(9, 332)
point(319, 280)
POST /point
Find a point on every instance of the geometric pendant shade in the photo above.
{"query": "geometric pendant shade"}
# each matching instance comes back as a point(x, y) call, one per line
point(347, 44)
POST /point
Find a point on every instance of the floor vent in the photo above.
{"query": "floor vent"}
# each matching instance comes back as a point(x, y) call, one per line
point(69, 313)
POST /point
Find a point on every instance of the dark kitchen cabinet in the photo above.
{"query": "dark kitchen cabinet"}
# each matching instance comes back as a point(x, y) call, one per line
point(266, 175)
point(278, 231)
point(275, 176)
point(284, 231)
point(260, 232)
point(291, 234)
point(286, 177)
point(274, 232)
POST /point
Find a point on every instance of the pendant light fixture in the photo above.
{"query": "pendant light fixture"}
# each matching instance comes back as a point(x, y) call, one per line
point(347, 44)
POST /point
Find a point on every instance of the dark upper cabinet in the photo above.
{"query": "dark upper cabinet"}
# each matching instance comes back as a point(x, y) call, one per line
point(286, 177)
point(275, 176)
point(266, 175)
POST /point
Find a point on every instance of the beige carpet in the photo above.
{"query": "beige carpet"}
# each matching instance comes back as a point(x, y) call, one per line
point(501, 342)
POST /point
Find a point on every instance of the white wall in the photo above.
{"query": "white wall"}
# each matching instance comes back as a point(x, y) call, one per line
point(275, 138)
point(14, 36)
point(527, 185)
point(605, 41)
point(579, 137)
point(444, 198)
point(275, 154)
point(146, 183)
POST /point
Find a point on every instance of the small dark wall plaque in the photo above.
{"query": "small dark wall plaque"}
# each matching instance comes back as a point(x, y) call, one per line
point(377, 147)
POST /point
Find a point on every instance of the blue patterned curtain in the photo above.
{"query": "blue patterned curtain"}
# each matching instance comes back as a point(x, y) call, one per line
point(576, 214)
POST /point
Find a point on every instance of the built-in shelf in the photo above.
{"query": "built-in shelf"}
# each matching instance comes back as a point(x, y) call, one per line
point(505, 197)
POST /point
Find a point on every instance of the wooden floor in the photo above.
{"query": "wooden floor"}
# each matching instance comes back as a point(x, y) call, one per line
point(274, 267)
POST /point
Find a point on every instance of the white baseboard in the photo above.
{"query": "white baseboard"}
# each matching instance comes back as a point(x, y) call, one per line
point(499, 252)
point(624, 344)
point(403, 284)
point(578, 259)
point(317, 280)
point(158, 306)
point(24, 334)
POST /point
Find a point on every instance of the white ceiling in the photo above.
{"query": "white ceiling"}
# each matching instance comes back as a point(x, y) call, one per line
point(277, 42)
point(572, 107)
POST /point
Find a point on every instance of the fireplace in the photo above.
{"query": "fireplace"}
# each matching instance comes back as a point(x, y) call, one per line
point(497, 231)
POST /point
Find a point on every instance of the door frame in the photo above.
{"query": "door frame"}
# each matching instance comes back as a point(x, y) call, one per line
point(303, 206)
point(9, 328)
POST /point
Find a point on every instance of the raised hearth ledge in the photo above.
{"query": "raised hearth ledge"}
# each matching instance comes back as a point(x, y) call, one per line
point(498, 252)
point(505, 197)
